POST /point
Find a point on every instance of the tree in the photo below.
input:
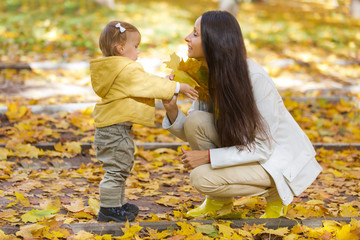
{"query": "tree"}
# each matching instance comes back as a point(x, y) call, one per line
point(232, 6)
point(108, 3)
point(355, 8)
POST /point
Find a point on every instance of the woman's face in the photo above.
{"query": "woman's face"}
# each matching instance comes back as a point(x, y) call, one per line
point(195, 49)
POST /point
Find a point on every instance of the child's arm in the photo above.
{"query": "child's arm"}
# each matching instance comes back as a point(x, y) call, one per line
point(188, 91)
point(139, 83)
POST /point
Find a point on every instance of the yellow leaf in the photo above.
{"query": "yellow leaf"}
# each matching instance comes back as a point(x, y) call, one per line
point(331, 226)
point(278, 232)
point(315, 202)
point(53, 229)
point(130, 231)
point(136, 152)
point(144, 176)
point(178, 214)
point(68, 147)
point(73, 147)
point(156, 235)
point(3, 236)
point(169, 201)
point(36, 215)
point(88, 111)
point(94, 205)
point(291, 236)
point(30, 231)
point(347, 232)
point(225, 230)
point(82, 235)
point(15, 111)
point(4, 153)
point(154, 218)
point(83, 215)
point(191, 72)
point(54, 204)
point(191, 66)
point(183, 77)
point(186, 229)
point(105, 237)
point(69, 220)
point(9, 216)
point(244, 233)
point(20, 198)
point(26, 150)
point(59, 147)
point(174, 62)
point(55, 235)
point(248, 202)
point(75, 206)
point(209, 230)
point(349, 211)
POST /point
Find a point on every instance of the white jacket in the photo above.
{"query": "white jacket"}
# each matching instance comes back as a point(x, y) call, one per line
point(289, 159)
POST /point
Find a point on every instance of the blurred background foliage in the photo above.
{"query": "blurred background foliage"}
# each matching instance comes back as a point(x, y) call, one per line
point(68, 30)
point(303, 44)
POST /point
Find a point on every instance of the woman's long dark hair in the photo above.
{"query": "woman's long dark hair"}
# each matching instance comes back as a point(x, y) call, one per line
point(237, 117)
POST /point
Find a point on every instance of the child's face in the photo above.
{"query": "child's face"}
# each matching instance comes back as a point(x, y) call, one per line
point(195, 49)
point(130, 49)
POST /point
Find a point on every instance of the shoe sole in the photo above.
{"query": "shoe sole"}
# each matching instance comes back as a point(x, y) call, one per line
point(103, 218)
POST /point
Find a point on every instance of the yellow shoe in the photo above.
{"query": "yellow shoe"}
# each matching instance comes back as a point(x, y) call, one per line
point(274, 209)
point(211, 206)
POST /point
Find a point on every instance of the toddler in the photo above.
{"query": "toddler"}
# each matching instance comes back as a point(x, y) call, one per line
point(127, 96)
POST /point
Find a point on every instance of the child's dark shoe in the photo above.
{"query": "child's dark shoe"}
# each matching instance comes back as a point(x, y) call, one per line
point(117, 214)
point(132, 208)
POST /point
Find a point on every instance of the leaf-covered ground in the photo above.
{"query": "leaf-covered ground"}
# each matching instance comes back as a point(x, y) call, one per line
point(310, 48)
point(62, 184)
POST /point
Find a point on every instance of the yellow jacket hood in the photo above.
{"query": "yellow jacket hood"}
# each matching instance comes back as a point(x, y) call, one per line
point(103, 72)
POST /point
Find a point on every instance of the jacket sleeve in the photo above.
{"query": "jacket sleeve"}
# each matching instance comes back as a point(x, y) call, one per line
point(177, 127)
point(267, 100)
point(146, 85)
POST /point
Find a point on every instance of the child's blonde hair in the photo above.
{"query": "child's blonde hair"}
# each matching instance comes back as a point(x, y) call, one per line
point(111, 36)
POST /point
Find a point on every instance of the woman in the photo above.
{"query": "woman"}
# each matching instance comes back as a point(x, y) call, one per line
point(244, 142)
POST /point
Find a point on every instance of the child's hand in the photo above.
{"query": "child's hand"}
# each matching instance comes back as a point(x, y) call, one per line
point(171, 76)
point(188, 91)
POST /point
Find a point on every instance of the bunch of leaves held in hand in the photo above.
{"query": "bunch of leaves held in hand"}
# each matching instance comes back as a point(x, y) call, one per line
point(191, 72)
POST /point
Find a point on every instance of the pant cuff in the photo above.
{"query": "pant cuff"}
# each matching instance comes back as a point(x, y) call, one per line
point(110, 197)
point(219, 198)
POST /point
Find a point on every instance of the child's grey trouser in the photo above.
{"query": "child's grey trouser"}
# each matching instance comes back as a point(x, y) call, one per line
point(115, 149)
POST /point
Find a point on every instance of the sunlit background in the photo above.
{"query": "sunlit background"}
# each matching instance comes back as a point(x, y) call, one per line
point(302, 44)
point(49, 173)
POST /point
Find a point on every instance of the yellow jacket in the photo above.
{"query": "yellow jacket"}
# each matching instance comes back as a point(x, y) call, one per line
point(127, 92)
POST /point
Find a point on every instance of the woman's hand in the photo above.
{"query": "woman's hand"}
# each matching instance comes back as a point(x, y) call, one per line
point(171, 108)
point(193, 159)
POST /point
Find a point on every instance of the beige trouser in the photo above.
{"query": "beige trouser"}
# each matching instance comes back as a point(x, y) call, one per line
point(115, 148)
point(222, 184)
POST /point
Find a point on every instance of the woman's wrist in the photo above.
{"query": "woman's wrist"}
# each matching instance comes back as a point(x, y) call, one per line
point(172, 114)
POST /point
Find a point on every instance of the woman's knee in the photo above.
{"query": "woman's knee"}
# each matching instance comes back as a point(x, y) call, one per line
point(193, 121)
point(197, 121)
point(201, 180)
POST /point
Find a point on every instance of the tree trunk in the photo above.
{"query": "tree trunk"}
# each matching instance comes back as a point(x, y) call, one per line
point(232, 6)
point(108, 3)
point(355, 8)
point(229, 5)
